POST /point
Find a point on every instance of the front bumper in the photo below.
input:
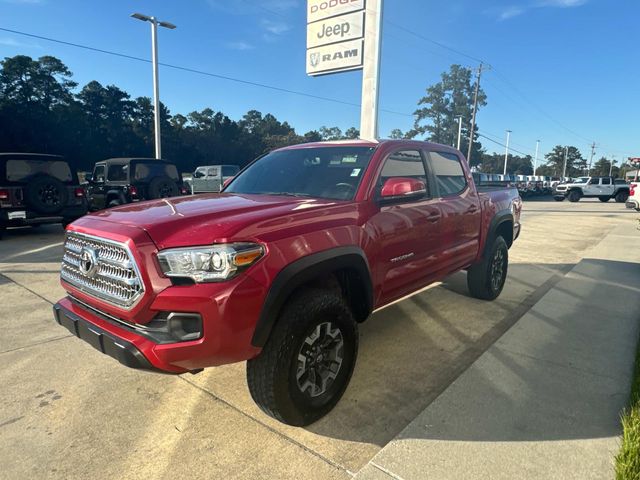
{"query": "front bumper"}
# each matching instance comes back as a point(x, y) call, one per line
point(124, 352)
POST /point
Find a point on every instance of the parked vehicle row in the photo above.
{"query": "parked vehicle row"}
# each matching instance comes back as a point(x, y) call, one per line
point(211, 178)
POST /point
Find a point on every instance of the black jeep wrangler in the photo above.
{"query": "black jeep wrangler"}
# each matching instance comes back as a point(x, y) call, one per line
point(37, 189)
point(119, 181)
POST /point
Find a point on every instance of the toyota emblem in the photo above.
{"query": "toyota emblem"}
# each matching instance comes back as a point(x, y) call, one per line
point(88, 262)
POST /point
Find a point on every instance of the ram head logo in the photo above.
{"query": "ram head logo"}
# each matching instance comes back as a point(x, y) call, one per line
point(315, 59)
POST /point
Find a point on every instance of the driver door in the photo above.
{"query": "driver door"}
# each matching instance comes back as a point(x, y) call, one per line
point(408, 233)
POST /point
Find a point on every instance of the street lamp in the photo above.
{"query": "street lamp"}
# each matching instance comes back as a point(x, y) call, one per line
point(156, 84)
point(613, 162)
point(506, 155)
point(459, 118)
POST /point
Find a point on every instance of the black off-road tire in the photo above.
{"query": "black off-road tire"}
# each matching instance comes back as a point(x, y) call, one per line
point(46, 194)
point(114, 203)
point(163, 187)
point(604, 199)
point(482, 278)
point(622, 196)
point(559, 199)
point(273, 375)
point(574, 196)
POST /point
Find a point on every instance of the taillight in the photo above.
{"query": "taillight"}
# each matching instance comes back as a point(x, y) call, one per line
point(632, 190)
point(133, 191)
point(79, 192)
point(184, 190)
point(4, 194)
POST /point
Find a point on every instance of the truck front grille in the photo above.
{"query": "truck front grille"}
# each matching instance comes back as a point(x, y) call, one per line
point(102, 268)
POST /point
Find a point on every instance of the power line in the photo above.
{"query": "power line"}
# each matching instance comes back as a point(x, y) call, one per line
point(483, 135)
point(199, 72)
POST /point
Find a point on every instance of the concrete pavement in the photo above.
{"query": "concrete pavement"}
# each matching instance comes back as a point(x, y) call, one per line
point(544, 401)
point(67, 411)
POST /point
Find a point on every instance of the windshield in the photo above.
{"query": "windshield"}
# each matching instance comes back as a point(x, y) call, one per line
point(325, 172)
point(581, 180)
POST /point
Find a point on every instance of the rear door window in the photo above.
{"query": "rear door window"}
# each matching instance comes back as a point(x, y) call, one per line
point(149, 170)
point(448, 172)
point(118, 173)
point(21, 170)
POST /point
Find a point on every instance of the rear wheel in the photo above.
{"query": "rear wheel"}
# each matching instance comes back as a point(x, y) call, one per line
point(486, 279)
point(604, 199)
point(574, 196)
point(305, 366)
point(622, 196)
point(114, 203)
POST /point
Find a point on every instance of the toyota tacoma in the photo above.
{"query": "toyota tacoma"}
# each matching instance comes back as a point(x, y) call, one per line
point(280, 268)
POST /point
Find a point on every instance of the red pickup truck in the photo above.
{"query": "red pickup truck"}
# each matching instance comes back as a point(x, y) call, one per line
point(280, 268)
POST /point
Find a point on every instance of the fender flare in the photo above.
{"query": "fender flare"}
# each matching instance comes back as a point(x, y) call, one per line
point(500, 218)
point(305, 270)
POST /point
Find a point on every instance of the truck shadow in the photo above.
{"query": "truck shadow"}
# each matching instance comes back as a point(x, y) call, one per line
point(413, 351)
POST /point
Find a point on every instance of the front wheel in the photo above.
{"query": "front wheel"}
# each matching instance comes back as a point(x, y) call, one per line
point(559, 199)
point(574, 196)
point(604, 199)
point(622, 196)
point(486, 279)
point(305, 366)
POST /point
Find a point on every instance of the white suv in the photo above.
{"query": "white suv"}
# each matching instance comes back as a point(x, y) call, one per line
point(602, 188)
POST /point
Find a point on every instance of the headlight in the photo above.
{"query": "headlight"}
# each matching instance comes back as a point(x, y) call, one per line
point(209, 264)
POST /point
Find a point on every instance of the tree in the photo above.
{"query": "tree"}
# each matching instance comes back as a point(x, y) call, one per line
point(396, 134)
point(556, 160)
point(494, 163)
point(330, 133)
point(451, 97)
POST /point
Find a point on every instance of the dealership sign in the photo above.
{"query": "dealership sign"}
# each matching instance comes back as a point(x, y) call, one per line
point(335, 32)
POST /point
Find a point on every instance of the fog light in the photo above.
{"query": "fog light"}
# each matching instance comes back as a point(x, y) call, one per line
point(172, 327)
point(185, 326)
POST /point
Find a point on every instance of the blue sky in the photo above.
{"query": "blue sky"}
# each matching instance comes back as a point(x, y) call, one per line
point(564, 71)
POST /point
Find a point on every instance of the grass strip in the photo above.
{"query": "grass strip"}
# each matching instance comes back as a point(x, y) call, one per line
point(628, 460)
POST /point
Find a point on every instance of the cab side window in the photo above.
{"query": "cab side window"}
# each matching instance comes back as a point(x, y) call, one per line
point(98, 174)
point(448, 172)
point(404, 163)
point(606, 181)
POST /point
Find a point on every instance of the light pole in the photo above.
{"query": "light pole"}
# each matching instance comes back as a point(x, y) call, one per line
point(535, 162)
point(459, 117)
point(564, 170)
point(613, 162)
point(156, 83)
point(506, 155)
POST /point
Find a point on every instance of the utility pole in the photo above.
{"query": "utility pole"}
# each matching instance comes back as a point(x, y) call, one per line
point(564, 170)
point(475, 110)
point(593, 152)
point(613, 162)
point(156, 80)
point(535, 162)
point(459, 117)
point(506, 155)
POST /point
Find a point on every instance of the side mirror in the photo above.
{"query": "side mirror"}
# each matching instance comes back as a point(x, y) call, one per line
point(400, 189)
point(226, 182)
point(198, 174)
point(89, 178)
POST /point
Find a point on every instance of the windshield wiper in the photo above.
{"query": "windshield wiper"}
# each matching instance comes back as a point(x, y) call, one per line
point(287, 194)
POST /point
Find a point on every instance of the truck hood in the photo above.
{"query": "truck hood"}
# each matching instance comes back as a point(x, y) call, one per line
point(206, 219)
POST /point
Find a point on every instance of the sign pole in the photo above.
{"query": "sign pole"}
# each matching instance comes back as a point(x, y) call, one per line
point(371, 70)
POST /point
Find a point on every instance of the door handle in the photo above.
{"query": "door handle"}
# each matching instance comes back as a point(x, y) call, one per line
point(472, 209)
point(434, 218)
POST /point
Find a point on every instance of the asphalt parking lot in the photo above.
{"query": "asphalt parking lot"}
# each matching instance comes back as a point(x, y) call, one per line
point(70, 412)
